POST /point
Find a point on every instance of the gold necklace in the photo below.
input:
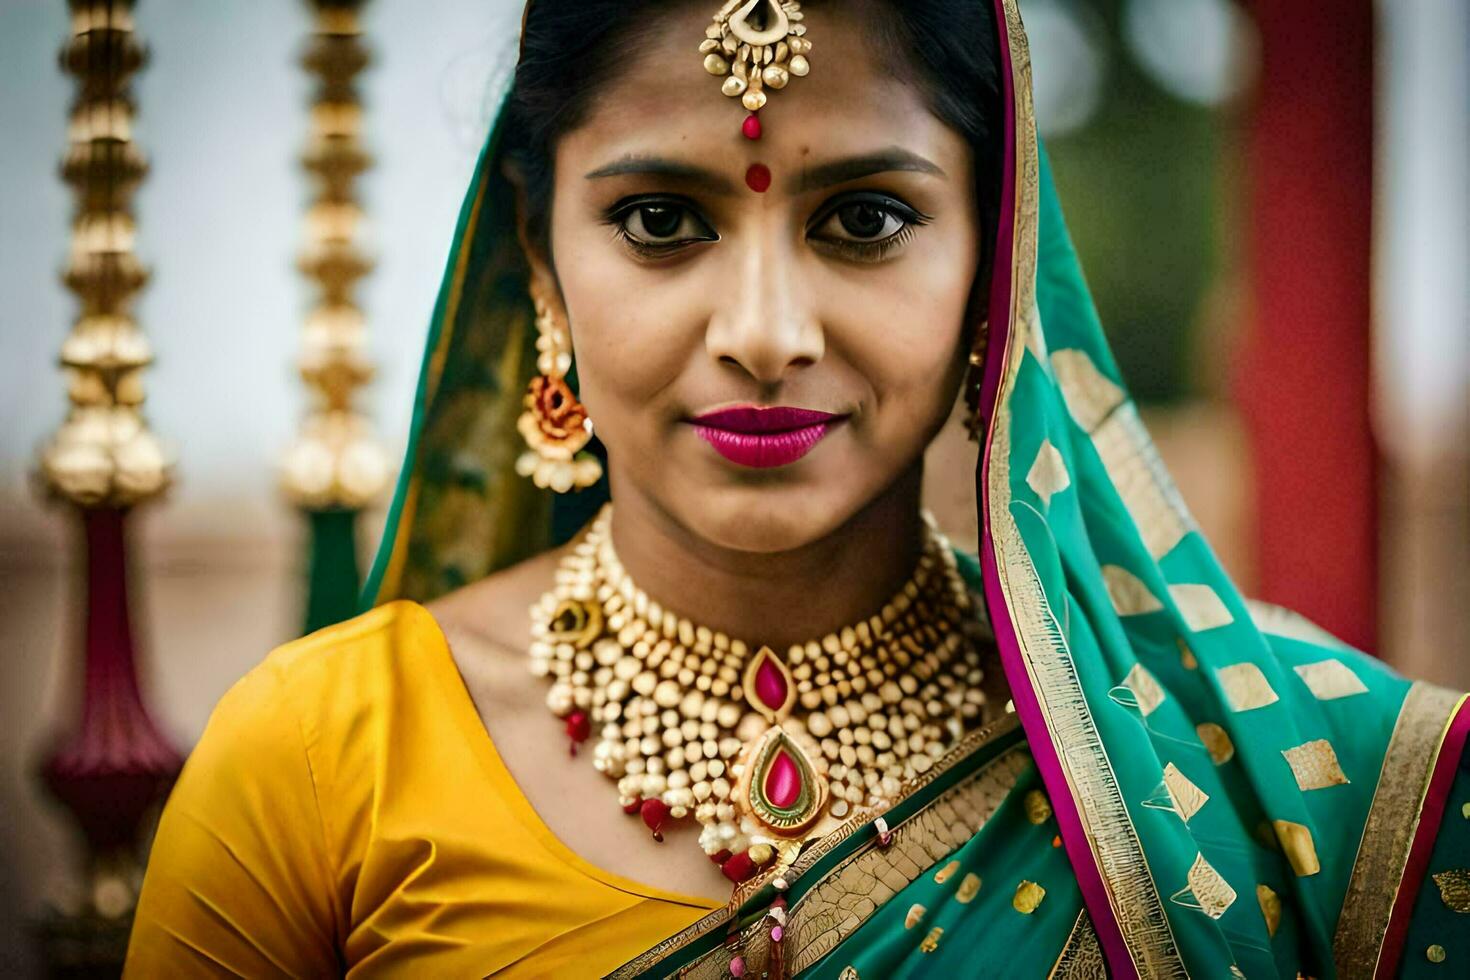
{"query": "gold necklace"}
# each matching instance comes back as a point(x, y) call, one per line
point(764, 751)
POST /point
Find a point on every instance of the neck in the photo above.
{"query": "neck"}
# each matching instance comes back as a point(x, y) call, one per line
point(777, 598)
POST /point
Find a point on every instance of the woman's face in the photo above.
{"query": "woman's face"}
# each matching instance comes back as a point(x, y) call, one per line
point(840, 290)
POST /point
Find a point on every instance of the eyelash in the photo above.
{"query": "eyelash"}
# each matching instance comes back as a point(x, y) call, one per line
point(857, 251)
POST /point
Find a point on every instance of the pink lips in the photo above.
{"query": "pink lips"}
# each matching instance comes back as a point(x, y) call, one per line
point(764, 437)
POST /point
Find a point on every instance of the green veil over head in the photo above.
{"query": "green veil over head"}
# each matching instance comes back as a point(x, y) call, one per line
point(1213, 762)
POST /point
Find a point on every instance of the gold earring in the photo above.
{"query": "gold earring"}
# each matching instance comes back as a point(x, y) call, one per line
point(974, 381)
point(555, 424)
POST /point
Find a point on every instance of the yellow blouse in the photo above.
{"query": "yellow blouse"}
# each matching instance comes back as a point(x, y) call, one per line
point(345, 812)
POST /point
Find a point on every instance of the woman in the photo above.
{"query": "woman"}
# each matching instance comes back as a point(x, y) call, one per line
point(780, 260)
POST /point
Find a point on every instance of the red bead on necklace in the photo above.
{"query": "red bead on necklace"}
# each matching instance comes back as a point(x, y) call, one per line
point(751, 127)
point(654, 813)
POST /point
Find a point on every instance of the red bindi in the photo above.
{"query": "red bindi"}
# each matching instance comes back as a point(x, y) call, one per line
point(758, 178)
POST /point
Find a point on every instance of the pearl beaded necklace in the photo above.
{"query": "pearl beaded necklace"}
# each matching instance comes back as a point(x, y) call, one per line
point(763, 751)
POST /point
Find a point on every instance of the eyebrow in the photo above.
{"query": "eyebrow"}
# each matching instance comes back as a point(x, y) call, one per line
point(852, 168)
point(888, 160)
point(647, 166)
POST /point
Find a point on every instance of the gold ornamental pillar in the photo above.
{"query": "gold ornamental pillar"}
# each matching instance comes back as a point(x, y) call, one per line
point(109, 765)
point(336, 468)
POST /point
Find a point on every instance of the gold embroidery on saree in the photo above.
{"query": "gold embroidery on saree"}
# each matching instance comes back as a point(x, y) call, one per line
point(1028, 897)
point(1082, 958)
point(1147, 491)
point(847, 896)
point(1205, 890)
point(1315, 766)
point(1270, 904)
point(1298, 846)
point(845, 899)
point(1389, 830)
point(1187, 798)
point(1128, 594)
point(1246, 688)
point(1216, 742)
point(1329, 680)
point(1147, 694)
point(1201, 607)
point(1133, 897)
point(1090, 395)
point(1038, 807)
point(1454, 889)
point(1048, 476)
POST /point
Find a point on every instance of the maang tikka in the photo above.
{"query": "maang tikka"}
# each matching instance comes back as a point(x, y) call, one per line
point(555, 424)
point(755, 45)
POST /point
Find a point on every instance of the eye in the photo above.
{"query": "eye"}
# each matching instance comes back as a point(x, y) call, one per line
point(660, 224)
point(866, 220)
point(865, 225)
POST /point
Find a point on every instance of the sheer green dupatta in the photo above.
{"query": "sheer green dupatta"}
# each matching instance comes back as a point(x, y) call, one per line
point(1213, 763)
point(460, 511)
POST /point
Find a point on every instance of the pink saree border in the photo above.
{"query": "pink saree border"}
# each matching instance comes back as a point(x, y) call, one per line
point(1027, 704)
point(1431, 816)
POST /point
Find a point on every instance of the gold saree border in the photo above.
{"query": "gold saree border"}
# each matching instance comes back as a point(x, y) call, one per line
point(1082, 958)
point(1388, 833)
point(1134, 899)
point(1009, 761)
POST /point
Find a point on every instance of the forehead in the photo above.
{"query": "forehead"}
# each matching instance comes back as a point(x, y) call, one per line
point(659, 98)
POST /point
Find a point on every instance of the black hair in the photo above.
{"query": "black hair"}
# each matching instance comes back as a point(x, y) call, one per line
point(949, 48)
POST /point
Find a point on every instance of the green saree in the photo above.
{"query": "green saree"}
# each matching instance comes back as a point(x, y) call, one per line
point(1192, 784)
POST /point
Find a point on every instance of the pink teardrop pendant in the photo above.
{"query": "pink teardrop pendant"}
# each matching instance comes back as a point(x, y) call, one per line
point(783, 781)
point(781, 785)
point(751, 127)
point(769, 686)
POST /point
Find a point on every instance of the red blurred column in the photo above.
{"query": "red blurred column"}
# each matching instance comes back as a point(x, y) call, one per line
point(1303, 383)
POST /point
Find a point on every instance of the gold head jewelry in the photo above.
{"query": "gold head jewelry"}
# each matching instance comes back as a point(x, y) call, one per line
point(555, 424)
point(756, 45)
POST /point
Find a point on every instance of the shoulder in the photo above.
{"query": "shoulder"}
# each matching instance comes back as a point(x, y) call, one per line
point(303, 698)
point(354, 646)
point(493, 614)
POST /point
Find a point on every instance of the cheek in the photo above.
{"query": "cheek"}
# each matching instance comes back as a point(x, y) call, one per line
point(633, 334)
point(907, 331)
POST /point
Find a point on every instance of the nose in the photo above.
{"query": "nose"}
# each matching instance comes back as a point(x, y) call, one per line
point(768, 326)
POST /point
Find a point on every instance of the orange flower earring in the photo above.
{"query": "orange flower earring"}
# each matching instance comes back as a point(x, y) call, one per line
point(555, 424)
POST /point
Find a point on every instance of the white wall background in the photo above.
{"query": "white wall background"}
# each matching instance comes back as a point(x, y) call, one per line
point(222, 118)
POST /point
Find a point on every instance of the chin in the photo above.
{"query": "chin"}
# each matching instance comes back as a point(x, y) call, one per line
point(767, 519)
